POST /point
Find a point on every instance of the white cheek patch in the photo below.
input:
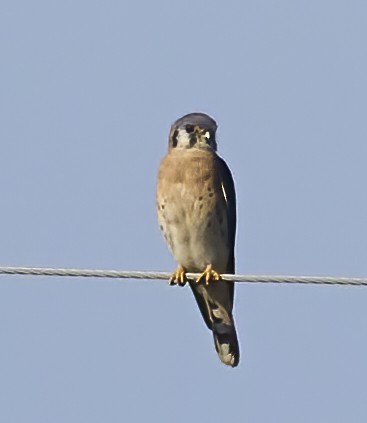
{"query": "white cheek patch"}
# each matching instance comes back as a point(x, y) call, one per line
point(183, 139)
point(207, 135)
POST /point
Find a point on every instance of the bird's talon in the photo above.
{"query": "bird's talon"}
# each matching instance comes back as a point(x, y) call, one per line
point(209, 275)
point(178, 277)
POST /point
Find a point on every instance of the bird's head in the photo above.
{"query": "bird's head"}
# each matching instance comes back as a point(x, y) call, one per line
point(195, 130)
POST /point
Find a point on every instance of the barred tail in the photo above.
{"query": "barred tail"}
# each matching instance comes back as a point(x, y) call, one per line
point(215, 303)
point(226, 343)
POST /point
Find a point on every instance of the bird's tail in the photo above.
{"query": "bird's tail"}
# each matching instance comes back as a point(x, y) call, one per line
point(215, 305)
point(226, 342)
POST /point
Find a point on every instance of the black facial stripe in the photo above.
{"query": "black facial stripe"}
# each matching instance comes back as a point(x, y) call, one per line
point(193, 140)
point(174, 139)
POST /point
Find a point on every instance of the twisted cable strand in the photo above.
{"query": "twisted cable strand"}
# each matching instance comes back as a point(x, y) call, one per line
point(126, 274)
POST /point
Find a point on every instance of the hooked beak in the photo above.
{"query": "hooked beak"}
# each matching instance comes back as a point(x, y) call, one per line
point(200, 135)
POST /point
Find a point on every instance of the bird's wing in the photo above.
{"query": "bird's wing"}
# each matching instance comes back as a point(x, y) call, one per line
point(229, 194)
point(216, 300)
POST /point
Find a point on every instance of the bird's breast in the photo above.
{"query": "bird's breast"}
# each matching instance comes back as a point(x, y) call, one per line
point(192, 211)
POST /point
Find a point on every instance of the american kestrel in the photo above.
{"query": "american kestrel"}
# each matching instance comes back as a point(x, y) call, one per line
point(196, 205)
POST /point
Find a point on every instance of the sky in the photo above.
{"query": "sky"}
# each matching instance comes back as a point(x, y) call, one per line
point(88, 91)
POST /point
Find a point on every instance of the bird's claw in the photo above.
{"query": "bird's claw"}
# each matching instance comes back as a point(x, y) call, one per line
point(178, 277)
point(208, 275)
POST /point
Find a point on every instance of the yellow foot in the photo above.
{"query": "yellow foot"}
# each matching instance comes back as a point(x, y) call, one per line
point(208, 275)
point(178, 277)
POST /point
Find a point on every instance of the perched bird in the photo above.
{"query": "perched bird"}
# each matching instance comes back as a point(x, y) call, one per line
point(196, 206)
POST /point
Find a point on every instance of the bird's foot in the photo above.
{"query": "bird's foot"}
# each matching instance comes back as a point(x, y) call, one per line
point(178, 277)
point(208, 275)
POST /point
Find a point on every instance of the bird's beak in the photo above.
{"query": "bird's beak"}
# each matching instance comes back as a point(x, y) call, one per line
point(199, 134)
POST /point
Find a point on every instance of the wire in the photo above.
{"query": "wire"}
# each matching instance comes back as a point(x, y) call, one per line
point(125, 274)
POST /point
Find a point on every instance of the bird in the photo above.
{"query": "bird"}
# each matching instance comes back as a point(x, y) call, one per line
point(196, 208)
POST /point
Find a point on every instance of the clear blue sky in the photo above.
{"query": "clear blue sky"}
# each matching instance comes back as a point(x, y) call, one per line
point(88, 92)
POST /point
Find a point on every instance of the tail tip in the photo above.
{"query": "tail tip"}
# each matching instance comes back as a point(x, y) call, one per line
point(228, 354)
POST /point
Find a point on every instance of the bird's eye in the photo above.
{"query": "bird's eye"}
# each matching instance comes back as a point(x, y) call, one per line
point(189, 129)
point(207, 135)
